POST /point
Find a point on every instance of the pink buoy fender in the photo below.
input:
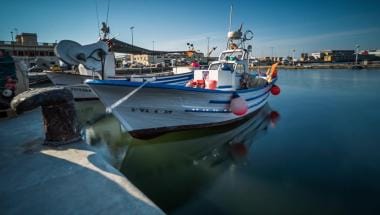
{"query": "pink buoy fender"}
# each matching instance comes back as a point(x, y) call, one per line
point(238, 105)
point(211, 84)
point(201, 83)
point(275, 90)
point(191, 83)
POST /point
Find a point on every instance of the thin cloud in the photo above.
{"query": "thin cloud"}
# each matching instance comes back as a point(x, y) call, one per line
point(315, 38)
point(197, 39)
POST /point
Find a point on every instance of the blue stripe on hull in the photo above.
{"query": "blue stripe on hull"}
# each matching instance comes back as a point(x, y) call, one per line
point(172, 80)
point(168, 86)
point(224, 87)
point(179, 76)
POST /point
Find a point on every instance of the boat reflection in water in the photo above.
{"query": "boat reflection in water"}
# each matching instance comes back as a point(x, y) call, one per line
point(177, 167)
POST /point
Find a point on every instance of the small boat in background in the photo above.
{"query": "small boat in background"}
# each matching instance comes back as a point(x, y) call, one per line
point(94, 61)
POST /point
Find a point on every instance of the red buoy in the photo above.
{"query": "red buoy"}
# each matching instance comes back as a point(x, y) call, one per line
point(238, 105)
point(275, 90)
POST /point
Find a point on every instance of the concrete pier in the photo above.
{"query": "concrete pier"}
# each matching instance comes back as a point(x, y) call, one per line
point(69, 179)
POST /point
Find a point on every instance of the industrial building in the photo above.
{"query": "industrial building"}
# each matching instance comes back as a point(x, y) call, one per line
point(27, 48)
point(338, 55)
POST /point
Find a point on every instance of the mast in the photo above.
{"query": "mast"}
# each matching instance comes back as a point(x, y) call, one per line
point(229, 28)
point(97, 18)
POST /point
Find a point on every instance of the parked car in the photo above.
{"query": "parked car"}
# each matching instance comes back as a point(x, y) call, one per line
point(137, 65)
point(35, 68)
point(157, 65)
point(55, 68)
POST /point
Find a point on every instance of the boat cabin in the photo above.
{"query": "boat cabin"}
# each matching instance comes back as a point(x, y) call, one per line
point(224, 74)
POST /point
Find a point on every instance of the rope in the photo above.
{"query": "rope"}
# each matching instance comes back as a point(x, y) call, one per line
point(125, 98)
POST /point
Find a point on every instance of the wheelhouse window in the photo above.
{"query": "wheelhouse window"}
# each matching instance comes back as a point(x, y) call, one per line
point(240, 68)
point(232, 56)
point(223, 66)
point(214, 66)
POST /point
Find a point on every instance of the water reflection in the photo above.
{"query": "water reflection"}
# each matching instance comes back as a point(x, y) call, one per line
point(89, 112)
point(174, 168)
point(171, 173)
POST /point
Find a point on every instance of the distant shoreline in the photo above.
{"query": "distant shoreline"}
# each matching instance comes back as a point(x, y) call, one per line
point(321, 66)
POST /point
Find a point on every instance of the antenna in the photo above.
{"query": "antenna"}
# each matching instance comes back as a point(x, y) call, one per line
point(229, 28)
point(108, 10)
point(97, 17)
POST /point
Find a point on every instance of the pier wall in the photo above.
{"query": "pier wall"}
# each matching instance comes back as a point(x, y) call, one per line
point(70, 179)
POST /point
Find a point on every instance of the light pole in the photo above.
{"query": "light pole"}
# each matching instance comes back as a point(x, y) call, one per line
point(357, 53)
point(13, 45)
point(132, 27)
point(153, 53)
point(208, 49)
point(294, 50)
point(208, 45)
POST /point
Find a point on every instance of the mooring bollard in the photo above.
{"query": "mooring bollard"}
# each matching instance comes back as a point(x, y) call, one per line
point(60, 120)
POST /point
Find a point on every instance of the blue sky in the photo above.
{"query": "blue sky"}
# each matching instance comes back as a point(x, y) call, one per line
point(303, 25)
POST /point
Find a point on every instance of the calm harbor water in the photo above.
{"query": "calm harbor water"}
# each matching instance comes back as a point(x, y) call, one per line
point(321, 156)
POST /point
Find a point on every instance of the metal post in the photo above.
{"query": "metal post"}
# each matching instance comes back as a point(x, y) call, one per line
point(58, 110)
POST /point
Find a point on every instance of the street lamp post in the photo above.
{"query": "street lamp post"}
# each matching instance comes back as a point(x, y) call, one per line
point(357, 53)
point(132, 27)
point(13, 44)
point(208, 49)
point(153, 53)
point(294, 50)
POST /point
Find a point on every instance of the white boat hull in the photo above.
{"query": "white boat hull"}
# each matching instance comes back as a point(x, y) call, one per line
point(73, 82)
point(161, 108)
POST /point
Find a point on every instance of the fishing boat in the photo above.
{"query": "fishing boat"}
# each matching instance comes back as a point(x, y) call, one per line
point(223, 94)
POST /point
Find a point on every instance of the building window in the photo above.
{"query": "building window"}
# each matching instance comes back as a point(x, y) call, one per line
point(51, 53)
